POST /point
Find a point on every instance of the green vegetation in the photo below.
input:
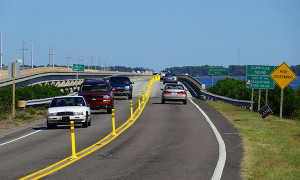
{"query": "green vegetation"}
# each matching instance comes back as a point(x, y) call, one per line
point(271, 146)
point(237, 89)
point(234, 70)
point(29, 92)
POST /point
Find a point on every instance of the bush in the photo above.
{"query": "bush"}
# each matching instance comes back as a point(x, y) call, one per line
point(237, 89)
point(29, 93)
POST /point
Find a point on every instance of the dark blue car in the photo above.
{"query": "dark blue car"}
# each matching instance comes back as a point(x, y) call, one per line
point(123, 86)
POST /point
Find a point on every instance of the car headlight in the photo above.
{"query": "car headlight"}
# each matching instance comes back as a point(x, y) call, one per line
point(127, 87)
point(106, 96)
point(78, 113)
point(52, 114)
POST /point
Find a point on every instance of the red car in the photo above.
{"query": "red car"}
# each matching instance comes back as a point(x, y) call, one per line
point(98, 94)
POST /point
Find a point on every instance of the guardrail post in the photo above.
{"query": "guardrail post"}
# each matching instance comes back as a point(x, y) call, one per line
point(139, 101)
point(73, 140)
point(131, 110)
point(113, 122)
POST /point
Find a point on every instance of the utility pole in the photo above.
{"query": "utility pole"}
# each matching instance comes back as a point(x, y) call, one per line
point(49, 55)
point(68, 59)
point(80, 60)
point(1, 48)
point(238, 55)
point(32, 54)
point(91, 62)
point(23, 49)
point(52, 57)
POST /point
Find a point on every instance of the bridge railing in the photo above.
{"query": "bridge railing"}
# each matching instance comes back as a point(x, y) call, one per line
point(198, 90)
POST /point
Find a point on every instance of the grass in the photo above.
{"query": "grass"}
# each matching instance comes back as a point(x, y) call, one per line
point(271, 146)
point(23, 116)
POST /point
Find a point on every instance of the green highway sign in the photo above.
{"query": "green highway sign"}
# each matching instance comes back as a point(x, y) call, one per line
point(78, 67)
point(259, 70)
point(259, 82)
point(218, 71)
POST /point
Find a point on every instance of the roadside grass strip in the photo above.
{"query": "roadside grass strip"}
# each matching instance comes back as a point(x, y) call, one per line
point(271, 146)
point(69, 160)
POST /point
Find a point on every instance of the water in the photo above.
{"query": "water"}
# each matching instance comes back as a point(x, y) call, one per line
point(207, 81)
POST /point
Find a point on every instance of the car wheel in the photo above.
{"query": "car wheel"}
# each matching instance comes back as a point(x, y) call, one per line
point(163, 101)
point(163, 82)
point(130, 96)
point(184, 101)
point(109, 110)
point(51, 126)
point(90, 122)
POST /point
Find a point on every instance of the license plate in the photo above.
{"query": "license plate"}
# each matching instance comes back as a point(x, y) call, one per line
point(65, 118)
point(174, 92)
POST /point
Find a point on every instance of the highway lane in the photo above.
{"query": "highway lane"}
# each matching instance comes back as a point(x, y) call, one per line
point(168, 141)
point(46, 147)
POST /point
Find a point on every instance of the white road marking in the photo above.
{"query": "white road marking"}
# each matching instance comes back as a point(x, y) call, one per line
point(222, 148)
point(20, 137)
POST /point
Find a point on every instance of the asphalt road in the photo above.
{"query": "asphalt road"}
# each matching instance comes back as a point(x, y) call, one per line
point(168, 141)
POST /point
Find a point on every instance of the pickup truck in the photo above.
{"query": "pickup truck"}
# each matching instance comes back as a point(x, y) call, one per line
point(98, 94)
point(122, 85)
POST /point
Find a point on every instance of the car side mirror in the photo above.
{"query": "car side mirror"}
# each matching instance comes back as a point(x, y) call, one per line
point(131, 82)
point(161, 89)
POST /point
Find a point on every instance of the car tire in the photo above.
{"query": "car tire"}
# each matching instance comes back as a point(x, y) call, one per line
point(109, 110)
point(185, 102)
point(163, 101)
point(129, 96)
point(90, 121)
point(51, 126)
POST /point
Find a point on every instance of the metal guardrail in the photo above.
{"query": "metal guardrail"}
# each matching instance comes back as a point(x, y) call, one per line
point(34, 102)
point(199, 91)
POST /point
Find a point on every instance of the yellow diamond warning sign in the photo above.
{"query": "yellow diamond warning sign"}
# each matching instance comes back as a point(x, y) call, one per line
point(283, 75)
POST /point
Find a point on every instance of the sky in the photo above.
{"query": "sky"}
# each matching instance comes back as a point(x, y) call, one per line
point(153, 34)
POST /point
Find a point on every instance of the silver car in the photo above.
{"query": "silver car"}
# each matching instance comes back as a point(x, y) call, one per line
point(174, 92)
point(64, 109)
point(170, 78)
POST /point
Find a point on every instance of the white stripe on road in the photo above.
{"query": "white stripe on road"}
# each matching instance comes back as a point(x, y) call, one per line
point(20, 137)
point(222, 148)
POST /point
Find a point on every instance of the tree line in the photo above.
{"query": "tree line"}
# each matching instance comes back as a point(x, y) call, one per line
point(234, 70)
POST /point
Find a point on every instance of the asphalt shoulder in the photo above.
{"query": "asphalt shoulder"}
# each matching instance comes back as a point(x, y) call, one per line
point(231, 137)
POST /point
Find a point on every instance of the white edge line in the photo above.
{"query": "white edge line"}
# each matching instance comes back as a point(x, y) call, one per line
point(20, 137)
point(222, 148)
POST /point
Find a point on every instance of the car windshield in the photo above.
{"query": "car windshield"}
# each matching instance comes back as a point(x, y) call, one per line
point(119, 81)
point(180, 87)
point(67, 101)
point(171, 75)
point(93, 87)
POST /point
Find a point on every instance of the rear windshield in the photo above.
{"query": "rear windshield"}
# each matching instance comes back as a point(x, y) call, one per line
point(69, 101)
point(93, 87)
point(180, 87)
point(119, 81)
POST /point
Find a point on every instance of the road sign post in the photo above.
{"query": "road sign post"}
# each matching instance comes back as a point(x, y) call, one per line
point(217, 71)
point(14, 72)
point(283, 76)
point(77, 67)
point(258, 78)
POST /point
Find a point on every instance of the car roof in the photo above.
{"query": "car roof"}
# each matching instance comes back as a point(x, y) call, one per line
point(95, 81)
point(174, 84)
point(119, 77)
point(68, 96)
